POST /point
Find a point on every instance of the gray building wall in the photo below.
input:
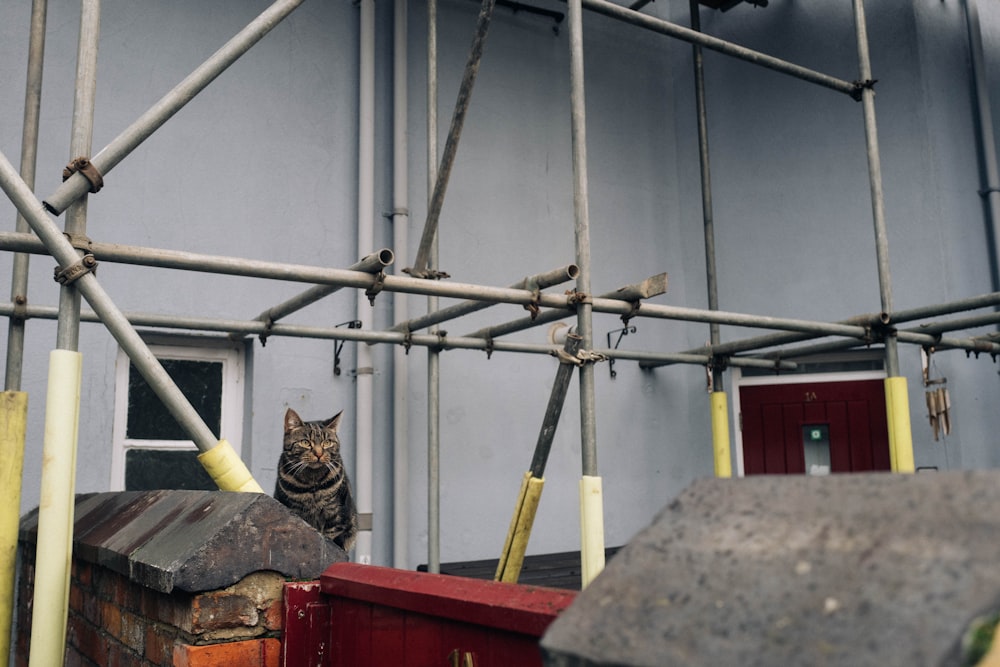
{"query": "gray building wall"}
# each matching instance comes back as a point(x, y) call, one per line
point(263, 165)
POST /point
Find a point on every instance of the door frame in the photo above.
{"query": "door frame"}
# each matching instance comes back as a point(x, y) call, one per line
point(737, 380)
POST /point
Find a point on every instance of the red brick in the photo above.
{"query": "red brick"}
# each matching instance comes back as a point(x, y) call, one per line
point(111, 619)
point(87, 639)
point(220, 610)
point(159, 644)
point(248, 653)
point(133, 632)
point(273, 616)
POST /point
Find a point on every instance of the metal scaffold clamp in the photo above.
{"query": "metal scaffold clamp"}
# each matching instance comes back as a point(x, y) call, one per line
point(376, 287)
point(861, 86)
point(86, 167)
point(72, 273)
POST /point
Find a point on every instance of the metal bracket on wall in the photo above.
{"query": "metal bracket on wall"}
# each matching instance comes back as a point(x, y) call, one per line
point(339, 345)
point(625, 331)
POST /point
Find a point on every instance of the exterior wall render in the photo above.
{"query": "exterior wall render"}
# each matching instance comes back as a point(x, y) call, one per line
point(262, 165)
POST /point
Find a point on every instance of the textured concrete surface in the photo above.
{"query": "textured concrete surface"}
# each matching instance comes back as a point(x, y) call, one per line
point(193, 540)
point(849, 570)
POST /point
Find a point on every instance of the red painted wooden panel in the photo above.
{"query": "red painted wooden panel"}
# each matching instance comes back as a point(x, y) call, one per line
point(774, 439)
point(301, 633)
point(396, 618)
point(773, 415)
point(795, 456)
point(840, 437)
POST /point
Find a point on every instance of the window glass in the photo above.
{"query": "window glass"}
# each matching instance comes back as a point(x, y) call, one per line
point(149, 469)
point(199, 381)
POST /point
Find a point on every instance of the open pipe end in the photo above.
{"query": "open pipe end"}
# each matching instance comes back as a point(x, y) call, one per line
point(572, 271)
point(386, 256)
point(884, 317)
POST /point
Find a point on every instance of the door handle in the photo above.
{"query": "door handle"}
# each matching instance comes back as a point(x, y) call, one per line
point(458, 658)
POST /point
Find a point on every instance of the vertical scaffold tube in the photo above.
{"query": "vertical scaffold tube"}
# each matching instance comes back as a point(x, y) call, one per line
point(55, 510)
point(591, 502)
point(13, 419)
point(720, 435)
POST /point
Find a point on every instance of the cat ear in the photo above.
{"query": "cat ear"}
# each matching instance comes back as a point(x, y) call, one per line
point(334, 422)
point(292, 420)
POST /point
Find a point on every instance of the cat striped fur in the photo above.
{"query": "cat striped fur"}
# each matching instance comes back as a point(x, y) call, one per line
point(312, 480)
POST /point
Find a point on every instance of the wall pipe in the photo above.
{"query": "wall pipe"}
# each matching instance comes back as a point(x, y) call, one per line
point(433, 356)
point(50, 597)
point(171, 103)
point(29, 159)
point(451, 142)
point(987, 141)
point(400, 306)
point(538, 281)
point(715, 44)
point(113, 319)
point(365, 366)
point(591, 494)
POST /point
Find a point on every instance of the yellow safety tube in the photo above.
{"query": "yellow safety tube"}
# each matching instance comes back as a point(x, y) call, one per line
point(897, 403)
point(55, 510)
point(13, 420)
point(512, 558)
point(720, 435)
point(228, 470)
point(591, 529)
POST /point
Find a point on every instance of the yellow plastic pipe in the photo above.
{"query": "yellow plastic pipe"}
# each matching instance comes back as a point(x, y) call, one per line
point(55, 510)
point(720, 435)
point(13, 420)
point(591, 529)
point(897, 403)
point(512, 559)
point(228, 470)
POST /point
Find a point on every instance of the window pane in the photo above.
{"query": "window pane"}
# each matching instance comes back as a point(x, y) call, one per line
point(149, 469)
point(199, 381)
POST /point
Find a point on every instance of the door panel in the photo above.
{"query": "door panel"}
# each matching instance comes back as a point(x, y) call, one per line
point(851, 414)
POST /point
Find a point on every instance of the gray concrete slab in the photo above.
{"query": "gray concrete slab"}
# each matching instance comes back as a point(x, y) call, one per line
point(850, 570)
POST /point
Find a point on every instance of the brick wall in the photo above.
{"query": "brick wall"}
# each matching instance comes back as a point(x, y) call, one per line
point(124, 610)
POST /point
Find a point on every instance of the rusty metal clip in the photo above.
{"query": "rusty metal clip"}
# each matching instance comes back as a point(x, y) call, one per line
point(89, 171)
point(66, 276)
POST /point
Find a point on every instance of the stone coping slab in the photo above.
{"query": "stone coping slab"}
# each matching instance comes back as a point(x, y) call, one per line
point(193, 540)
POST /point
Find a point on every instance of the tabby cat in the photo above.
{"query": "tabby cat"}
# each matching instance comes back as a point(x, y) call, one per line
point(312, 481)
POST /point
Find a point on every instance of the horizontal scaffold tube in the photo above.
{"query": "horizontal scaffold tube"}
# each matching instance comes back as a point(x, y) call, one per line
point(256, 327)
point(540, 281)
point(369, 264)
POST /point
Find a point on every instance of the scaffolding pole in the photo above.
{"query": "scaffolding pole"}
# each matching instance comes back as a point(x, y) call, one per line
point(50, 598)
point(119, 148)
point(591, 499)
point(433, 355)
point(29, 159)
point(442, 174)
point(719, 45)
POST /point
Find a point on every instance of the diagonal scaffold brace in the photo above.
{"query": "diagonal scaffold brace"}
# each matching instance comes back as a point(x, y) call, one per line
point(516, 544)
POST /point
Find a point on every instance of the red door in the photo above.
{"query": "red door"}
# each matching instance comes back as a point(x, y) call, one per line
point(817, 427)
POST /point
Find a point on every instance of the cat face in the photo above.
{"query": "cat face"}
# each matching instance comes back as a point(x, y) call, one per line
point(312, 445)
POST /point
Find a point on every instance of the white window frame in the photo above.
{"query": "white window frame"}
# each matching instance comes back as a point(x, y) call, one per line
point(188, 349)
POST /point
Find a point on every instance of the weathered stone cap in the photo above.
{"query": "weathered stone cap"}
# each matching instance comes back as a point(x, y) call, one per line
point(193, 540)
point(844, 570)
